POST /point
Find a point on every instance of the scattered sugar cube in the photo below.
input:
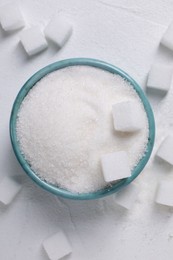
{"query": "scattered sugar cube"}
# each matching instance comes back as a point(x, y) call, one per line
point(160, 77)
point(165, 150)
point(8, 190)
point(58, 30)
point(11, 17)
point(167, 39)
point(33, 41)
point(127, 196)
point(126, 116)
point(164, 193)
point(57, 246)
point(115, 166)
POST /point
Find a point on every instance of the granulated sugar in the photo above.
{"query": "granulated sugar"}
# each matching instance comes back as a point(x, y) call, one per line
point(65, 125)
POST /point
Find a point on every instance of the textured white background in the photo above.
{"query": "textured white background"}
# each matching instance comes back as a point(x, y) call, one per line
point(125, 33)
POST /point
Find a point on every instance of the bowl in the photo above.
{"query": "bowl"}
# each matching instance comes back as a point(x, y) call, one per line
point(55, 189)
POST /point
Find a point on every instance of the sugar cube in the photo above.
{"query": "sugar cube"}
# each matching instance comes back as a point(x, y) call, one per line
point(8, 190)
point(33, 41)
point(11, 17)
point(115, 166)
point(164, 193)
point(58, 30)
point(127, 116)
point(165, 150)
point(127, 196)
point(57, 246)
point(160, 77)
point(167, 39)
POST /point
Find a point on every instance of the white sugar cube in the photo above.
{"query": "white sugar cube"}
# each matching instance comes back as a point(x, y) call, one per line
point(160, 77)
point(164, 193)
point(165, 150)
point(167, 39)
point(8, 190)
point(127, 116)
point(57, 246)
point(33, 41)
point(115, 166)
point(11, 17)
point(58, 30)
point(127, 196)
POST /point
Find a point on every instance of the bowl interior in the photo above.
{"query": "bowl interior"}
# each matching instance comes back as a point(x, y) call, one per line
point(55, 189)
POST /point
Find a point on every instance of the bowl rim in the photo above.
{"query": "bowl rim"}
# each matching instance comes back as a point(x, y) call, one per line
point(74, 62)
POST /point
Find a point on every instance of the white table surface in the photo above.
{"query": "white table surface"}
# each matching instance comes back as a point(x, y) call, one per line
point(125, 33)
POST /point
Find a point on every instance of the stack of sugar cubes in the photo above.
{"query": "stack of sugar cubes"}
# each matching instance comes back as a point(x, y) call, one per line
point(126, 119)
point(115, 166)
point(160, 80)
point(33, 40)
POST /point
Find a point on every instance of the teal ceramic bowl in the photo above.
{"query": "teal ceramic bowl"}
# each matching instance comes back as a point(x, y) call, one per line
point(55, 189)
